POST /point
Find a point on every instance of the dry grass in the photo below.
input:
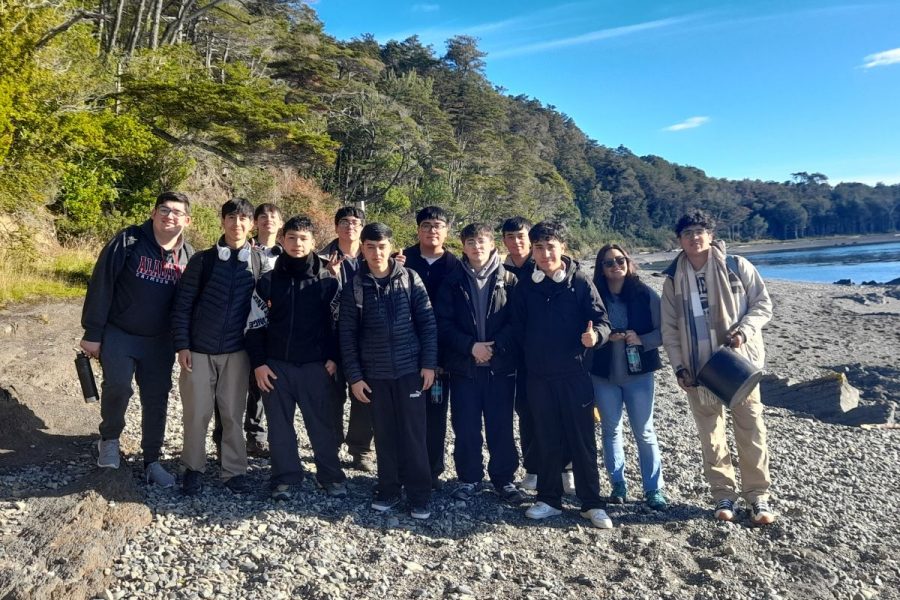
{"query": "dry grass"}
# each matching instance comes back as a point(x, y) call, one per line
point(62, 274)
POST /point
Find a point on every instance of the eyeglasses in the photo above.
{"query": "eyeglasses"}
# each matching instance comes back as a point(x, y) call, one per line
point(609, 263)
point(166, 211)
point(693, 232)
point(350, 223)
point(432, 225)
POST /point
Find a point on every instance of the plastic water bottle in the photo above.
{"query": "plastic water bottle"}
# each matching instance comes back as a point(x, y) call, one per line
point(437, 391)
point(86, 377)
point(633, 356)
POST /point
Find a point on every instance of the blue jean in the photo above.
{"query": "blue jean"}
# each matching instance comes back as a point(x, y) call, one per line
point(636, 396)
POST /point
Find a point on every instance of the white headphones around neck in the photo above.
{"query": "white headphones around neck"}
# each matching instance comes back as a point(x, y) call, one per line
point(538, 276)
point(225, 252)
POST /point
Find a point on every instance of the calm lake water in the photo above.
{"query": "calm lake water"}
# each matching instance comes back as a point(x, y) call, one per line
point(878, 262)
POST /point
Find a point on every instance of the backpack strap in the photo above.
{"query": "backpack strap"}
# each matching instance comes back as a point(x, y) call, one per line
point(731, 263)
point(207, 262)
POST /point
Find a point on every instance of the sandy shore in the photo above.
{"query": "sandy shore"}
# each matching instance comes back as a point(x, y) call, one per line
point(760, 247)
point(836, 536)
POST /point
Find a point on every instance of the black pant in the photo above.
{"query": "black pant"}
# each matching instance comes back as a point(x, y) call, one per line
point(253, 418)
point(563, 409)
point(359, 428)
point(490, 396)
point(398, 411)
point(526, 425)
point(149, 361)
point(309, 387)
point(436, 425)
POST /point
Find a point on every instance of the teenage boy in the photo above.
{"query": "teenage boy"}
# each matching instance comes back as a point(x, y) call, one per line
point(294, 357)
point(343, 256)
point(208, 322)
point(476, 338)
point(558, 315)
point(267, 222)
point(126, 325)
point(388, 341)
point(519, 262)
point(431, 261)
point(709, 299)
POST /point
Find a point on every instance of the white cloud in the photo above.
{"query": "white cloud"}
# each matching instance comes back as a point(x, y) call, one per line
point(426, 8)
point(688, 124)
point(881, 59)
point(586, 38)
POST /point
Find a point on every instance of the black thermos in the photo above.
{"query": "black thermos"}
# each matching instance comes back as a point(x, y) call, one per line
point(86, 377)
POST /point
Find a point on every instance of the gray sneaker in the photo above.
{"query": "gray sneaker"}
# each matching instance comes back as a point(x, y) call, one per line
point(154, 473)
point(108, 453)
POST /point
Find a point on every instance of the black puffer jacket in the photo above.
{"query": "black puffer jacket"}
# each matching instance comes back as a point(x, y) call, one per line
point(212, 320)
point(458, 331)
point(393, 333)
point(302, 297)
point(550, 317)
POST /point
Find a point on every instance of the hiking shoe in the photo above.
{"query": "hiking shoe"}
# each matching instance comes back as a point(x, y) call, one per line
point(598, 518)
point(511, 494)
point(568, 481)
point(540, 510)
point(529, 482)
point(385, 504)
point(154, 473)
point(419, 512)
point(364, 463)
point(725, 510)
point(258, 448)
point(190, 485)
point(108, 453)
point(761, 514)
point(336, 489)
point(656, 500)
point(619, 493)
point(282, 491)
point(465, 491)
point(238, 484)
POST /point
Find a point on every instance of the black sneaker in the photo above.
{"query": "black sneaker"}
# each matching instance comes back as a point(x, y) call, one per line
point(191, 485)
point(725, 510)
point(761, 514)
point(419, 512)
point(239, 484)
point(258, 448)
point(465, 491)
point(511, 494)
point(385, 504)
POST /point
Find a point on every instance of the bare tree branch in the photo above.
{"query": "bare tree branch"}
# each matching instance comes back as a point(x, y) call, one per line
point(77, 17)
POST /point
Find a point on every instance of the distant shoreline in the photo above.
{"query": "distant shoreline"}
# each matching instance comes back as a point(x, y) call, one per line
point(750, 248)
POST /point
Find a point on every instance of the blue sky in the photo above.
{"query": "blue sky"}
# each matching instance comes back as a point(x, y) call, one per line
point(756, 89)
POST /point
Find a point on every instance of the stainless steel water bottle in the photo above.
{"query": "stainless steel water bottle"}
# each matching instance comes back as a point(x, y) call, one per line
point(86, 377)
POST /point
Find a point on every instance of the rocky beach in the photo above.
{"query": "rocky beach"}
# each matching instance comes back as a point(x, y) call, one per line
point(70, 530)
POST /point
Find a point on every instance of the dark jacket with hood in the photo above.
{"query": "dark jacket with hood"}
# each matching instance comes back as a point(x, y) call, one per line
point(133, 284)
point(549, 318)
point(211, 317)
point(458, 327)
point(637, 297)
point(393, 332)
point(302, 298)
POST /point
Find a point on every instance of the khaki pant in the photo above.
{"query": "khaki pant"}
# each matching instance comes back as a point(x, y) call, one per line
point(216, 380)
point(749, 436)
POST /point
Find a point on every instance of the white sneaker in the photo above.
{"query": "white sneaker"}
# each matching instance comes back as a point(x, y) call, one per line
point(568, 479)
point(530, 482)
point(154, 473)
point(540, 510)
point(598, 518)
point(108, 453)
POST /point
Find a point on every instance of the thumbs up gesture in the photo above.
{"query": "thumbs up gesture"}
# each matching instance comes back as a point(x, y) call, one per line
point(589, 338)
point(400, 258)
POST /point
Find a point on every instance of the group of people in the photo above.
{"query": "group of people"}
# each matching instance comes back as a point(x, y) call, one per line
point(261, 326)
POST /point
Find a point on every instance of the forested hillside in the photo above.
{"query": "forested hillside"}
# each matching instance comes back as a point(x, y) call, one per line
point(104, 103)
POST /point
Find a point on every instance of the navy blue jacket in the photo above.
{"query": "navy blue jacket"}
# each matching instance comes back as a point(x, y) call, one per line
point(549, 318)
point(637, 298)
point(133, 284)
point(211, 320)
point(457, 327)
point(393, 333)
point(302, 296)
